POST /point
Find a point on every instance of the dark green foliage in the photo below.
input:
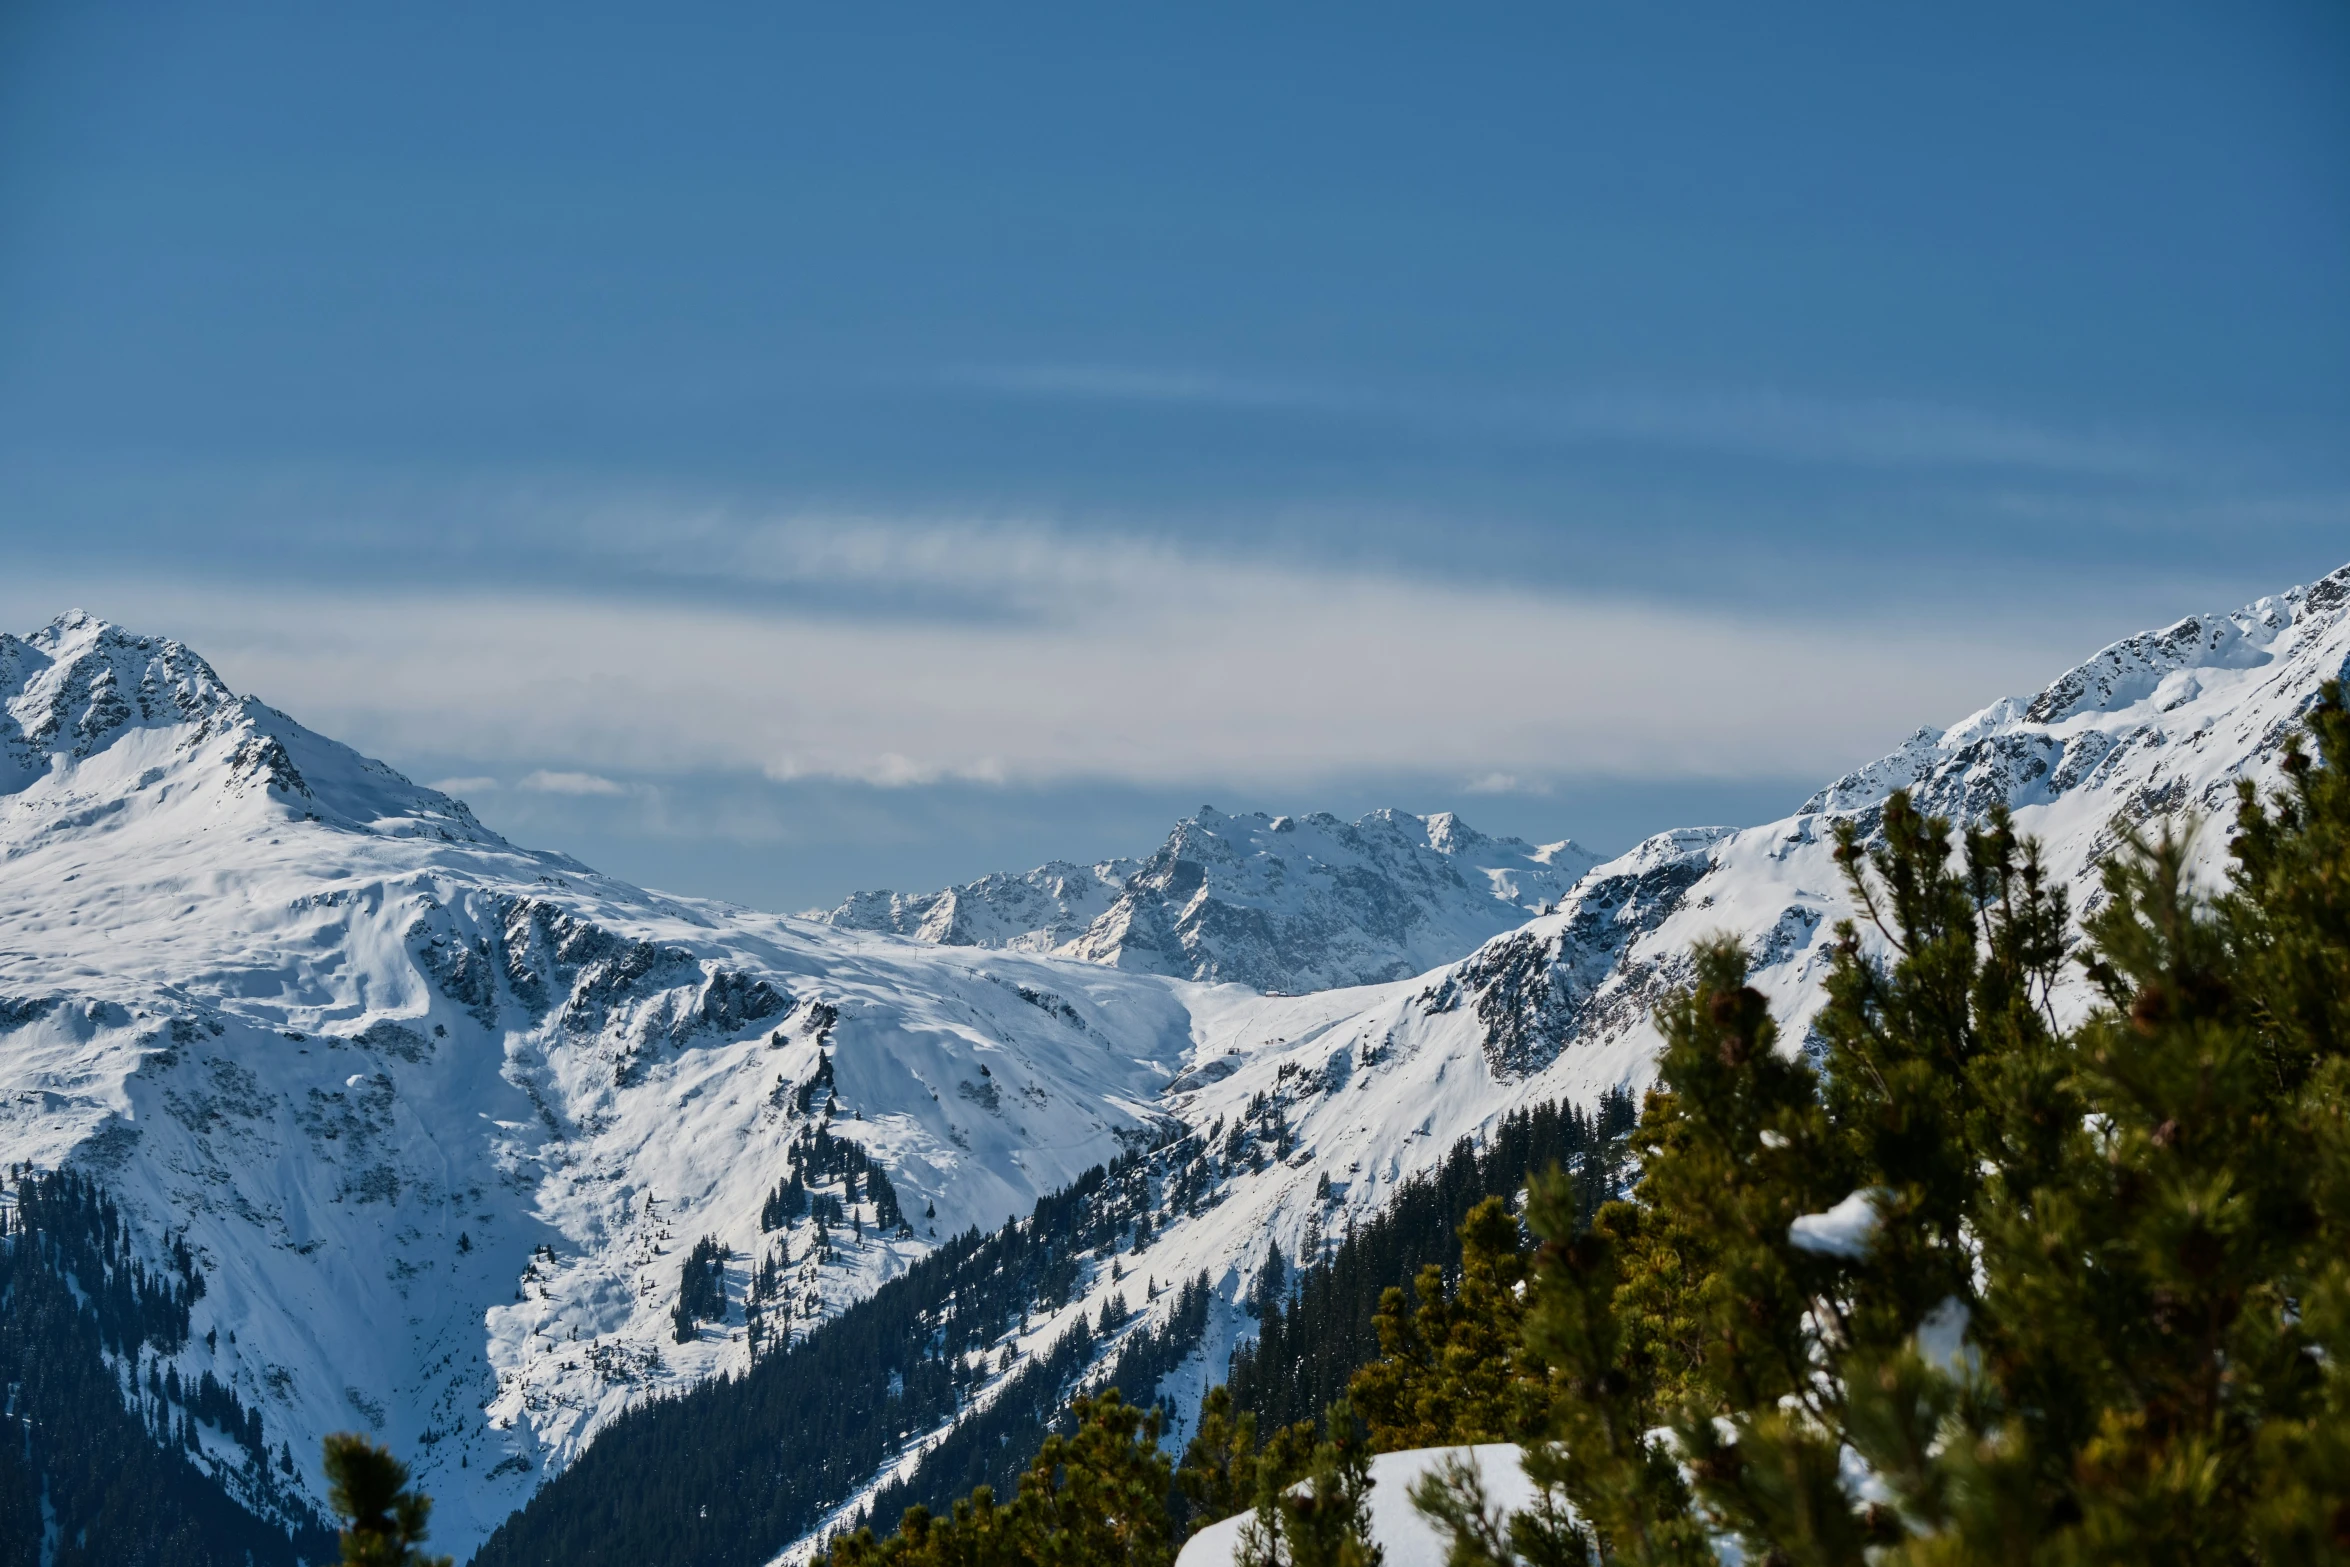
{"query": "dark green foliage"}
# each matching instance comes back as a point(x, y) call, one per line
point(81, 1233)
point(816, 1158)
point(1272, 1283)
point(1094, 1494)
point(734, 1470)
point(1456, 1368)
point(1308, 1487)
point(1308, 1349)
point(701, 1289)
point(787, 1202)
point(117, 1479)
point(1218, 1475)
point(992, 1446)
point(2099, 1310)
point(384, 1522)
point(888, 1217)
point(805, 1096)
point(1313, 1498)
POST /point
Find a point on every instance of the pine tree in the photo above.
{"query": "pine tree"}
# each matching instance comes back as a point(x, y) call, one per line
point(1095, 1496)
point(1218, 1476)
point(383, 1520)
point(1271, 1286)
point(1457, 1370)
point(2062, 1295)
point(1313, 1498)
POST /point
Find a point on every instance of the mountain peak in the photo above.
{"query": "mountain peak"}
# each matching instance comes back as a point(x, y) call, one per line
point(2126, 691)
point(79, 682)
point(484, 1099)
point(1280, 903)
point(128, 723)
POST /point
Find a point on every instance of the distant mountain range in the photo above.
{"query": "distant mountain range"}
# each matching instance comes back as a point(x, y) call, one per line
point(439, 1121)
point(1283, 904)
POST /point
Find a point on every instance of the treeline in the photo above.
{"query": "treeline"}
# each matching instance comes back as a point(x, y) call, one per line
point(1960, 1285)
point(94, 1468)
point(1315, 1334)
point(814, 1159)
point(994, 1445)
point(729, 1472)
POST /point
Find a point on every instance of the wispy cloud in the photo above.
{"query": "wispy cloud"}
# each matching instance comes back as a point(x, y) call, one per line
point(1503, 783)
point(1126, 384)
point(465, 786)
point(547, 782)
point(1129, 662)
point(1765, 423)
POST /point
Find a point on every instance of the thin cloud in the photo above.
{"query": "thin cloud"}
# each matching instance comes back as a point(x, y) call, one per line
point(1764, 424)
point(1502, 783)
point(463, 786)
point(548, 782)
point(1132, 664)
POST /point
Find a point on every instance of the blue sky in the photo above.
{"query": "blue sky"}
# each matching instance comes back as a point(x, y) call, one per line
point(770, 450)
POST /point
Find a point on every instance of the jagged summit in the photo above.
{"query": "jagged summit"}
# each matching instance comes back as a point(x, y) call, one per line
point(2187, 682)
point(1283, 904)
point(101, 723)
point(76, 683)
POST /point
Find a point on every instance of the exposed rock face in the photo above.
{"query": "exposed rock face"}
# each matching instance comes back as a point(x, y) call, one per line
point(1041, 911)
point(1534, 990)
point(1282, 904)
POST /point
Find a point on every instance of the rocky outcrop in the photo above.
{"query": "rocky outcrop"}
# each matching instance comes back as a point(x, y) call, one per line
point(1283, 904)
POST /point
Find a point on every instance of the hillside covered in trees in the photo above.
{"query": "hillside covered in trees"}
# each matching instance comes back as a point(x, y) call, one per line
point(1963, 1285)
point(98, 1421)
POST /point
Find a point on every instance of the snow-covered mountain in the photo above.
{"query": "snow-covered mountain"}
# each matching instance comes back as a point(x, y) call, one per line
point(1041, 911)
point(1370, 1086)
point(440, 1118)
point(1283, 904)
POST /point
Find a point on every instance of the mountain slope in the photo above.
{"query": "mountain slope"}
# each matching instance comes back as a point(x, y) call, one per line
point(1283, 904)
point(441, 1120)
point(1365, 1089)
point(439, 1117)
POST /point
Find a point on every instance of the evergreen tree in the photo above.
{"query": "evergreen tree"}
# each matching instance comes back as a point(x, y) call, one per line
point(701, 1289)
point(1307, 1351)
point(1457, 1369)
point(383, 1520)
point(95, 1465)
point(1313, 1498)
point(1101, 1494)
point(1270, 1289)
point(1980, 1289)
point(1092, 1497)
point(1218, 1476)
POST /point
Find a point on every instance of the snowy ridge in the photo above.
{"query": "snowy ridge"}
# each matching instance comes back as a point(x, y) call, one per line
point(441, 1117)
point(1372, 1086)
point(2163, 724)
point(1283, 904)
point(1041, 911)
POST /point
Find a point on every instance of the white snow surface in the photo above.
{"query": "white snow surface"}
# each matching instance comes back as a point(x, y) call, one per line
point(1406, 1536)
point(1279, 903)
point(1846, 1230)
point(440, 1115)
